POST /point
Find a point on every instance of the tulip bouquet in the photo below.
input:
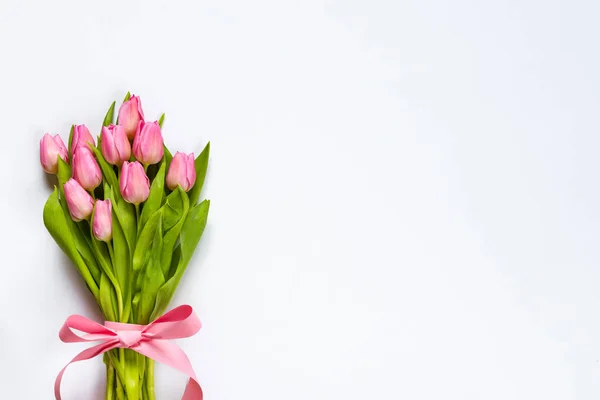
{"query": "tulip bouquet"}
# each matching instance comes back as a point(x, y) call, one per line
point(127, 214)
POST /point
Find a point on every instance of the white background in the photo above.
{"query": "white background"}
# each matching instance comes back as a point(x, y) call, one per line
point(405, 197)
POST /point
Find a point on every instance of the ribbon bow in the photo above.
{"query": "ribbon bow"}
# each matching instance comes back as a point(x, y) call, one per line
point(150, 340)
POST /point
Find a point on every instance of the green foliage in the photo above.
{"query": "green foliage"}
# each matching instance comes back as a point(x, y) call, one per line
point(152, 276)
point(134, 276)
point(71, 140)
point(156, 197)
point(191, 232)
point(110, 115)
point(201, 165)
point(59, 227)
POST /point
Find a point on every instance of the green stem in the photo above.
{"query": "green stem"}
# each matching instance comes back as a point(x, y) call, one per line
point(133, 376)
point(149, 383)
point(110, 382)
point(111, 253)
point(137, 219)
point(108, 270)
point(122, 358)
point(120, 390)
point(118, 293)
point(119, 370)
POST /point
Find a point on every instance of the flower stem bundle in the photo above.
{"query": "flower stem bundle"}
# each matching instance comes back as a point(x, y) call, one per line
point(127, 213)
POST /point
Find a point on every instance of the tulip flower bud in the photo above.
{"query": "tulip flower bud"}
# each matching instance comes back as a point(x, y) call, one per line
point(81, 137)
point(182, 172)
point(85, 168)
point(115, 145)
point(52, 147)
point(79, 201)
point(148, 143)
point(134, 183)
point(130, 115)
point(102, 220)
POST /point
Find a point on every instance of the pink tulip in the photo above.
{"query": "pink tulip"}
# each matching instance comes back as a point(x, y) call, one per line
point(102, 220)
point(79, 201)
point(130, 115)
point(85, 168)
point(81, 137)
point(134, 183)
point(148, 143)
point(52, 147)
point(182, 172)
point(115, 145)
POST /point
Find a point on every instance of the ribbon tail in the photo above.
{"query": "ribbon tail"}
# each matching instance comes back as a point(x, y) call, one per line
point(84, 355)
point(168, 353)
point(193, 391)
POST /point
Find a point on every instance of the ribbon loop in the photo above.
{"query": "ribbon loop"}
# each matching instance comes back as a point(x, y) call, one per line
point(150, 340)
point(181, 322)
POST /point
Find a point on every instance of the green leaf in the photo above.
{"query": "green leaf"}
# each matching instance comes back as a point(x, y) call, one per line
point(64, 172)
point(102, 255)
point(191, 233)
point(157, 192)
point(201, 165)
point(83, 244)
point(110, 114)
point(192, 230)
point(127, 219)
point(142, 248)
point(106, 296)
point(135, 304)
point(174, 261)
point(153, 278)
point(125, 216)
point(170, 240)
point(161, 120)
point(58, 226)
point(176, 206)
point(172, 236)
point(122, 265)
point(121, 261)
point(71, 140)
point(167, 157)
point(139, 280)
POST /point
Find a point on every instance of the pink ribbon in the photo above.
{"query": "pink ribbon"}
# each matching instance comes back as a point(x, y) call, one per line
point(152, 341)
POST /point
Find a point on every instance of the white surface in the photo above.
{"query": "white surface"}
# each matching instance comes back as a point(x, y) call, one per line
point(405, 197)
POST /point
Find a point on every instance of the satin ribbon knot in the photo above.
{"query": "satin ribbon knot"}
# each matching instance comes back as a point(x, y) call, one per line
point(129, 338)
point(152, 340)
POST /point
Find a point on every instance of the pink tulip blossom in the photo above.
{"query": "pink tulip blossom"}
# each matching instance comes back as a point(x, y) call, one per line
point(115, 145)
point(102, 220)
point(148, 143)
point(134, 183)
point(52, 147)
point(182, 172)
point(130, 115)
point(81, 137)
point(79, 201)
point(85, 169)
